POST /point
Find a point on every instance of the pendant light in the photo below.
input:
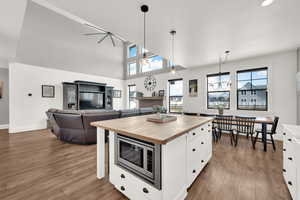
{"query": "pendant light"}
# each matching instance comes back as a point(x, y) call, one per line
point(144, 9)
point(221, 62)
point(172, 32)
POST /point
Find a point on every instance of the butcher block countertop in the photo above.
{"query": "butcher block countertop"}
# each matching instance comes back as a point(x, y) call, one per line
point(158, 133)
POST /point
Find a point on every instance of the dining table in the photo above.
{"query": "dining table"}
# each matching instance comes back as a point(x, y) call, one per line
point(263, 120)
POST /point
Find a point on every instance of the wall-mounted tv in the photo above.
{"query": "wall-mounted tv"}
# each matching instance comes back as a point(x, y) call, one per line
point(91, 100)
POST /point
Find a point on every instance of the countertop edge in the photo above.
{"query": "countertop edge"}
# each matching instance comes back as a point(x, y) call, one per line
point(156, 141)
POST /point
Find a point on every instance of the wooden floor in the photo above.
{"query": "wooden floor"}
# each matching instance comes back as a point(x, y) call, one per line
point(35, 165)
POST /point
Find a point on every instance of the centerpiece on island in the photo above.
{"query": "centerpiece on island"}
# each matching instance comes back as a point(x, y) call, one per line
point(159, 117)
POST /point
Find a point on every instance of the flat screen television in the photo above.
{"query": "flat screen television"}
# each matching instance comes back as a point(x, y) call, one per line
point(91, 100)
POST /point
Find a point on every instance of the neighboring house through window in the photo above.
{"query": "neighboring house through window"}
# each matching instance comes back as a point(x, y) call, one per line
point(252, 92)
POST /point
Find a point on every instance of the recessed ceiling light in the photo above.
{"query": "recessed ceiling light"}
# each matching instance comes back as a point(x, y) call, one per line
point(266, 3)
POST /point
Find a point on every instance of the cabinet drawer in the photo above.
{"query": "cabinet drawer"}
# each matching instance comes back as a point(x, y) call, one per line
point(201, 131)
point(123, 188)
point(129, 184)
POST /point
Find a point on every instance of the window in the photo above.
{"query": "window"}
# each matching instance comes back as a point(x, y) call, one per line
point(175, 96)
point(132, 51)
point(131, 69)
point(154, 63)
point(218, 90)
point(252, 85)
point(132, 94)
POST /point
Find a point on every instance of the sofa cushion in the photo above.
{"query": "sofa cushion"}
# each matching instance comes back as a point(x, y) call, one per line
point(146, 111)
point(129, 112)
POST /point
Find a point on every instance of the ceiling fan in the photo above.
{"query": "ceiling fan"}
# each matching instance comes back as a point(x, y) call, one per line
point(106, 34)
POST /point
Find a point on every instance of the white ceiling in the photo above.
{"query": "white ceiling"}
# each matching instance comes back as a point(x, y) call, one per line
point(205, 28)
point(52, 40)
point(12, 13)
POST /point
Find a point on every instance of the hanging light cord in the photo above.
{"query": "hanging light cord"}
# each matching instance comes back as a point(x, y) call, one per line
point(172, 50)
point(144, 53)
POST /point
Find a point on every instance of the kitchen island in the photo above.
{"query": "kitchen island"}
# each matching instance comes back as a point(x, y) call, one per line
point(156, 161)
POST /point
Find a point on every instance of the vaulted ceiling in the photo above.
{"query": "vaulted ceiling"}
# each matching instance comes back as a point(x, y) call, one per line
point(11, 20)
point(205, 29)
point(51, 40)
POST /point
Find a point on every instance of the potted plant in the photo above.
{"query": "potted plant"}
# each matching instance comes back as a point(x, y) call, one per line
point(220, 109)
point(158, 110)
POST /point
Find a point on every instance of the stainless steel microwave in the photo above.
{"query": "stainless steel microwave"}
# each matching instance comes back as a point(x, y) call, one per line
point(140, 158)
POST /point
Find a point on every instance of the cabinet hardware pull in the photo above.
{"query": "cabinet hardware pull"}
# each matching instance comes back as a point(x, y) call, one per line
point(283, 170)
point(122, 176)
point(194, 171)
point(208, 124)
point(194, 149)
point(202, 129)
point(122, 188)
point(289, 140)
point(284, 149)
point(290, 183)
point(202, 142)
point(194, 133)
point(145, 190)
point(284, 133)
point(290, 158)
point(202, 161)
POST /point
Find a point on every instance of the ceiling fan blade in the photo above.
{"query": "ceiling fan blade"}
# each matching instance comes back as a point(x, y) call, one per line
point(112, 40)
point(95, 27)
point(119, 38)
point(102, 39)
point(88, 34)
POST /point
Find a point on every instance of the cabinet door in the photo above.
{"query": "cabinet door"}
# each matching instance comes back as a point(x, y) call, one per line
point(109, 98)
point(70, 98)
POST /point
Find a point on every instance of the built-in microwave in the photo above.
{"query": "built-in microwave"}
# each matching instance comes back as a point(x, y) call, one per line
point(140, 158)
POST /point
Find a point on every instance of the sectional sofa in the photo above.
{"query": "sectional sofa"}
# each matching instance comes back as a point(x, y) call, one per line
point(73, 126)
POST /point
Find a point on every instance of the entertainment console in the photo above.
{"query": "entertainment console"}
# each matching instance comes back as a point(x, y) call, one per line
point(83, 95)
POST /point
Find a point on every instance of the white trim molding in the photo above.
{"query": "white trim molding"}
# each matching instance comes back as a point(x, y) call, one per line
point(4, 126)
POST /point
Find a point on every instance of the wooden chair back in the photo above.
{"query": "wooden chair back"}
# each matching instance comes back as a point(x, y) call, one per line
point(245, 124)
point(224, 122)
point(274, 126)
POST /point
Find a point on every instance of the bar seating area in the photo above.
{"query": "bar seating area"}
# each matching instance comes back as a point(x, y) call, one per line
point(237, 126)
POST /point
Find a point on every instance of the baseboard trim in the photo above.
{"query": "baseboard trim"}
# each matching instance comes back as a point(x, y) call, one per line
point(4, 126)
point(20, 129)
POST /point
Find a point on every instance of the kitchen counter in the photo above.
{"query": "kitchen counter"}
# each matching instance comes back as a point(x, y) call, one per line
point(154, 161)
point(158, 133)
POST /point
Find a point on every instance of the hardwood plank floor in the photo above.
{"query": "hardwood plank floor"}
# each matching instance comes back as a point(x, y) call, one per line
point(35, 165)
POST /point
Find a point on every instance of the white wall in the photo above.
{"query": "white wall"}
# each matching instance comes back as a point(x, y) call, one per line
point(282, 85)
point(4, 102)
point(28, 113)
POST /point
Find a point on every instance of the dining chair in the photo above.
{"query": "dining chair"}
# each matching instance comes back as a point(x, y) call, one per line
point(214, 131)
point(245, 126)
point(224, 124)
point(269, 132)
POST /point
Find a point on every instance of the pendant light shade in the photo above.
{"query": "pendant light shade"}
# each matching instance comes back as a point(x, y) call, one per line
point(173, 33)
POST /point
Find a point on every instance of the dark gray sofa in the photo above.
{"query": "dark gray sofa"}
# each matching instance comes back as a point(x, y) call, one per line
point(73, 126)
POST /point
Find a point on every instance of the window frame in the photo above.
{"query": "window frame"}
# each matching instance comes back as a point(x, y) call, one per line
point(178, 79)
point(128, 68)
point(252, 90)
point(149, 57)
point(207, 92)
point(129, 98)
point(128, 51)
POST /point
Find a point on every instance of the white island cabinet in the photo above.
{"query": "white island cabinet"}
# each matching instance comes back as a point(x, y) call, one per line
point(185, 149)
point(291, 159)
